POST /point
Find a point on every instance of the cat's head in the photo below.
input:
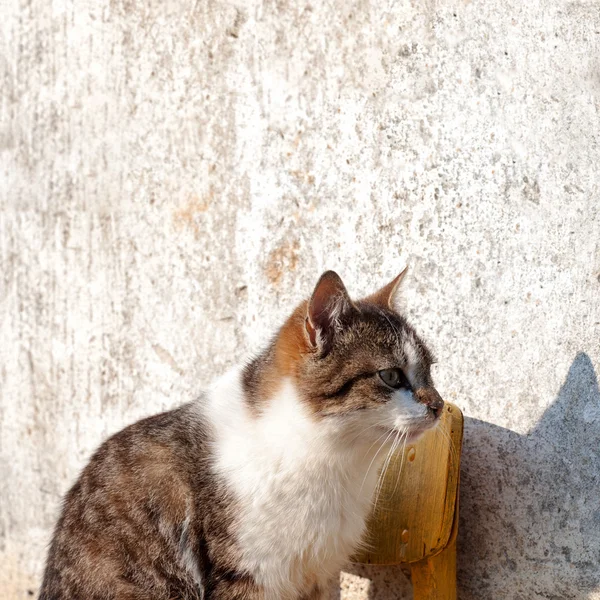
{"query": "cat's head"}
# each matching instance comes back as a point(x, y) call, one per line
point(357, 365)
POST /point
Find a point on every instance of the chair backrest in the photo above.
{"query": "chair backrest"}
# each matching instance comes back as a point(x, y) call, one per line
point(414, 517)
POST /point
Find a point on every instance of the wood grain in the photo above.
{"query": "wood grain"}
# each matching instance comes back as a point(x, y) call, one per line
point(434, 578)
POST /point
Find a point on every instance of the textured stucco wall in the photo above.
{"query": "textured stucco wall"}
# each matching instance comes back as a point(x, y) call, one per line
point(175, 175)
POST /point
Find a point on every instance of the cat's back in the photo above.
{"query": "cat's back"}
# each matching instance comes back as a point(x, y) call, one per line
point(123, 525)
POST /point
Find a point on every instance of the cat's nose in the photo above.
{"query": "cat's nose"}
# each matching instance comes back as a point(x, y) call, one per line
point(429, 397)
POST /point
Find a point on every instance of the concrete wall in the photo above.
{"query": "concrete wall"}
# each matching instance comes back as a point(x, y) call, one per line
point(174, 176)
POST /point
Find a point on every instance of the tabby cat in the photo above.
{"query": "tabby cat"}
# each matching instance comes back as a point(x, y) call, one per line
point(258, 490)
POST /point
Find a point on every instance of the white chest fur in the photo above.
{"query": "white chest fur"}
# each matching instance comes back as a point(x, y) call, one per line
point(303, 501)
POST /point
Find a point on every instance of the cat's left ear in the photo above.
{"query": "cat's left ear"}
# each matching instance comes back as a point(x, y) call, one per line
point(328, 304)
point(386, 297)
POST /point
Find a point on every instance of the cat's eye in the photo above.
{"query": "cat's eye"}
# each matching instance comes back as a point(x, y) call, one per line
point(394, 378)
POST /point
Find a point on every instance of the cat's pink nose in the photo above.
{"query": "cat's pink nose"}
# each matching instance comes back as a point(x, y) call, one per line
point(429, 397)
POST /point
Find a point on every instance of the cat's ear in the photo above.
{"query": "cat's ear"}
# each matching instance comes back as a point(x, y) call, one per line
point(328, 304)
point(387, 295)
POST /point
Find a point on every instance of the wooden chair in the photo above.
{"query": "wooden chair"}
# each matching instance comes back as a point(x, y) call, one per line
point(415, 520)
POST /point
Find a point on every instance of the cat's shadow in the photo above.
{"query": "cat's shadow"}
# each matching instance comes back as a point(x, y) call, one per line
point(529, 506)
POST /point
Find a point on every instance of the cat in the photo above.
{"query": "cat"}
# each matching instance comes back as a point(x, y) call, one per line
point(260, 489)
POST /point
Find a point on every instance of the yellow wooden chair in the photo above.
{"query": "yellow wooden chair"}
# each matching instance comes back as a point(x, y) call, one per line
point(415, 520)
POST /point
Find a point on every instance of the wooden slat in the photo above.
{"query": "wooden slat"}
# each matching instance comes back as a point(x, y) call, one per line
point(434, 578)
point(414, 514)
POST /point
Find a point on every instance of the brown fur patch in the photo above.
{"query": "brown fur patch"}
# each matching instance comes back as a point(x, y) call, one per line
point(264, 375)
point(292, 344)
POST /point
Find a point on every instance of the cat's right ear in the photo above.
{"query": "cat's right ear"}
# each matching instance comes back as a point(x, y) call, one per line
point(386, 296)
point(328, 304)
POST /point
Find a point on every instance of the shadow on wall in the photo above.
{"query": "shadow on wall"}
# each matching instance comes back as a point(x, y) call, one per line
point(529, 506)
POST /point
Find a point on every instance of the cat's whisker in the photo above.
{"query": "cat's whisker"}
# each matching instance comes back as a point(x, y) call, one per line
point(371, 446)
point(451, 446)
point(373, 459)
point(385, 467)
point(405, 440)
point(381, 423)
point(381, 478)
